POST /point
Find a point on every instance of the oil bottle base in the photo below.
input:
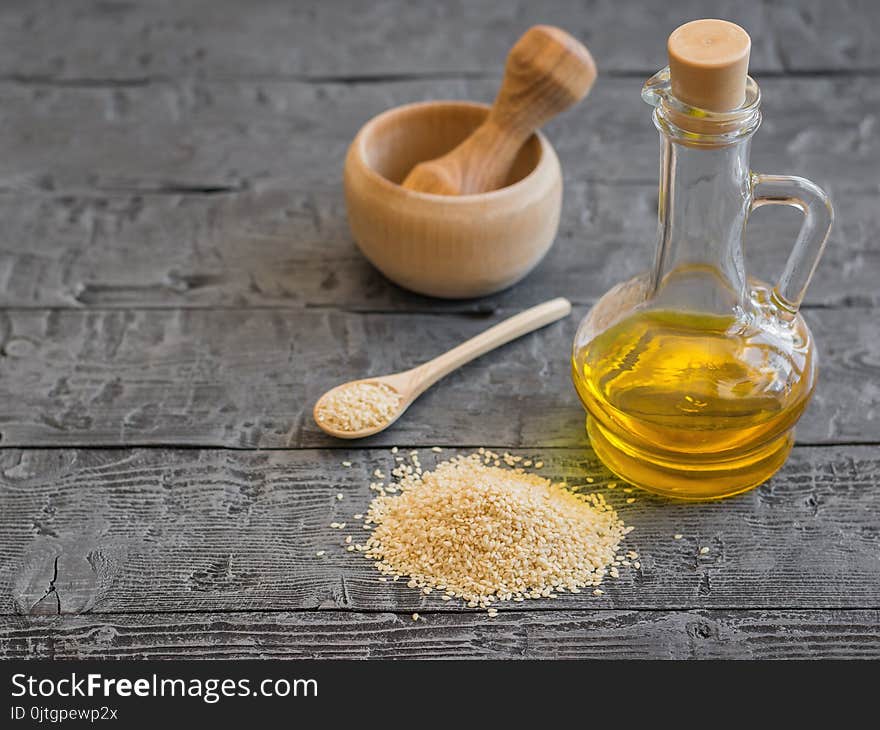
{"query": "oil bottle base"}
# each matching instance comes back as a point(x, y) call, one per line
point(692, 479)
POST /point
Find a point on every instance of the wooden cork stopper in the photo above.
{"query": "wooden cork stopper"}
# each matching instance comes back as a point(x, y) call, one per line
point(709, 63)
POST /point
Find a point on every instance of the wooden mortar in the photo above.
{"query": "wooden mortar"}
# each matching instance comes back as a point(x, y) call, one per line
point(442, 245)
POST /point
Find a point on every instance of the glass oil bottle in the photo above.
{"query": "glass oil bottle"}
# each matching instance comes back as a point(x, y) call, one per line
point(693, 375)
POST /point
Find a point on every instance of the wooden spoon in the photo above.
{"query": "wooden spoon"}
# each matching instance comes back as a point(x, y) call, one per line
point(547, 71)
point(410, 384)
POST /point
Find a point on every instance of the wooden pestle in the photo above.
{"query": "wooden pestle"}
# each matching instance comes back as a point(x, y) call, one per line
point(547, 71)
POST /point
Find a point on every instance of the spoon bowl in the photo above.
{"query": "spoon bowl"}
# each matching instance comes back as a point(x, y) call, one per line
point(395, 382)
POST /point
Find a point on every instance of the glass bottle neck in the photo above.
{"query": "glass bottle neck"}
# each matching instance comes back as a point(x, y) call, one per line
point(705, 196)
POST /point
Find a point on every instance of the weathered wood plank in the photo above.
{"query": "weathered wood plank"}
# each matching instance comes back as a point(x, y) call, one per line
point(713, 634)
point(249, 378)
point(117, 40)
point(195, 135)
point(283, 248)
point(285, 242)
point(186, 530)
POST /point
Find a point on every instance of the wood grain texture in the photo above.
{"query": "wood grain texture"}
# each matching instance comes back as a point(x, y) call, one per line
point(248, 378)
point(614, 634)
point(292, 249)
point(93, 531)
point(191, 136)
point(86, 40)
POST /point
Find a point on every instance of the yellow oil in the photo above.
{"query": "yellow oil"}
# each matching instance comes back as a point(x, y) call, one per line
point(694, 406)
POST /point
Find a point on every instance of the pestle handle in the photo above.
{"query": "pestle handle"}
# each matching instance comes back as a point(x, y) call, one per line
point(547, 71)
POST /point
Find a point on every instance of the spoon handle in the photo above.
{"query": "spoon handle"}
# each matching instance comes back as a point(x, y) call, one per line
point(425, 375)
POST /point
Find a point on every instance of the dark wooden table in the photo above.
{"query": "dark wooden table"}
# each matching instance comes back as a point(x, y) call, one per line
point(179, 285)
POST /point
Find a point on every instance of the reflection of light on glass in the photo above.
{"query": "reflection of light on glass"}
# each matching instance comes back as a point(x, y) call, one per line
point(692, 405)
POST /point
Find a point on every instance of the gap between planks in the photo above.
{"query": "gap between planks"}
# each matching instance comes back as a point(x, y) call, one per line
point(350, 446)
point(446, 308)
point(85, 82)
point(213, 189)
point(450, 611)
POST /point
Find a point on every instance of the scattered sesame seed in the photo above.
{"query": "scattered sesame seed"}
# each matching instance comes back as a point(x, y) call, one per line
point(340, 496)
point(539, 464)
point(598, 592)
point(415, 617)
point(677, 536)
point(394, 449)
point(630, 500)
point(436, 449)
point(637, 565)
point(704, 550)
point(346, 463)
point(320, 553)
point(350, 548)
point(358, 516)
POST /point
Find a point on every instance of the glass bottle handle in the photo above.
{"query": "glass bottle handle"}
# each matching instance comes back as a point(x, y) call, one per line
point(811, 200)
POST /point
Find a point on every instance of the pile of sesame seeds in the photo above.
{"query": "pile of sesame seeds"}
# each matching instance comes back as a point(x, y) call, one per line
point(482, 529)
point(359, 405)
